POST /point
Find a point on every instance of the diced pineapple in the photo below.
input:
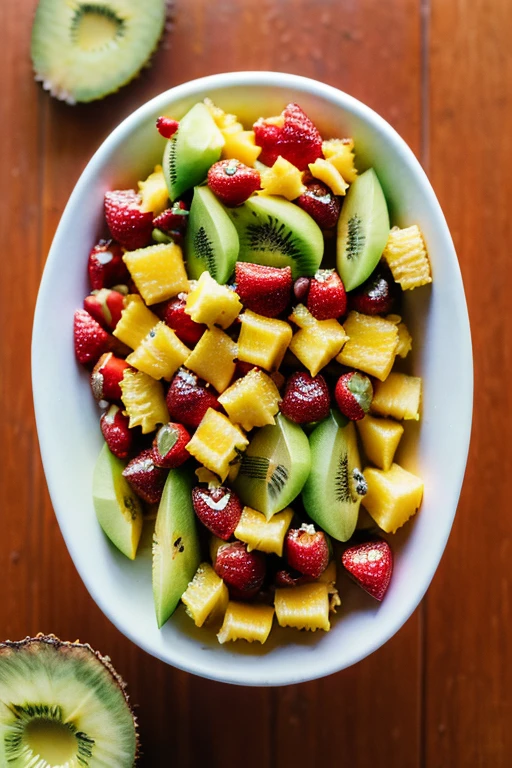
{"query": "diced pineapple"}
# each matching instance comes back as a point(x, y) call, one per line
point(144, 401)
point(213, 358)
point(217, 442)
point(399, 397)
point(252, 401)
point(263, 340)
point(392, 497)
point(260, 533)
point(407, 257)
point(371, 345)
point(246, 622)
point(222, 119)
point(158, 271)
point(135, 323)
point(304, 607)
point(340, 153)
point(282, 179)
point(240, 145)
point(325, 171)
point(404, 337)
point(206, 596)
point(160, 353)
point(380, 439)
point(214, 546)
point(329, 577)
point(317, 341)
point(153, 191)
point(211, 303)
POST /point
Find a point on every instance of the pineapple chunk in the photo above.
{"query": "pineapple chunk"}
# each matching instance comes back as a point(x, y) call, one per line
point(214, 546)
point(135, 323)
point(252, 401)
point(371, 346)
point(340, 153)
point(153, 191)
point(393, 496)
point(317, 341)
point(222, 119)
point(328, 577)
point(399, 396)
point(263, 340)
point(304, 607)
point(404, 337)
point(407, 257)
point(282, 179)
point(211, 303)
point(206, 596)
point(144, 401)
point(246, 622)
point(158, 271)
point(213, 358)
point(160, 353)
point(240, 145)
point(217, 442)
point(325, 171)
point(260, 533)
point(380, 439)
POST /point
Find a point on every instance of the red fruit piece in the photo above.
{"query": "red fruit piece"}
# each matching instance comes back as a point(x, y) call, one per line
point(166, 126)
point(354, 394)
point(301, 289)
point(172, 219)
point(265, 290)
point(106, 377)
point(377, 295)
point(105, 306)
point(118, 436)
point(307, 550)
point(127, 222)
point(288, 578)
point(169, 449)
point(327, 298)
point(370, 565)
point(219, 509)
point(146, 479)
point(91, 340)
point(242, 369)
point(232, 181)
point(321, 204)
point(306, 398)
point(106, 266)
point(188, 400)
point(297, 140)
point(186, 330)
point(242, 571)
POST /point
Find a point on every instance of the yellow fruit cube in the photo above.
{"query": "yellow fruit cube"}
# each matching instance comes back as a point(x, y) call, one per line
point(282, 179)
point(214, 546)
point(135, 323)
point(222, 119)
point(211, 303)
point(404, 337)
point(217, 442)
point(160, 353)
point(263, 340)
point(318, 341)
point(144, 401)
point(340, 153)
point(380, 438)
point(213, 358)
point(154, 193)
point(325, 171)
point(399, 396)
point(260, 533)
point(328, 577)
point(304, 607)
point(158, 271)
point(371, 345)
point(252, 401)
point(246, 622)
point(206, 597)
point(407, 257)
point(392, 497)
point(240, 145)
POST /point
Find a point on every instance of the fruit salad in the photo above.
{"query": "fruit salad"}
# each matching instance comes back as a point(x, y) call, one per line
point(246, 348)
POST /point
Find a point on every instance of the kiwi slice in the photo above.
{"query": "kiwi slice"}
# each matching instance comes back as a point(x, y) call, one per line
point(277, 233)
point(188, 155)
point(84, 51)
point(62, 704)
point(333, 491)
point(212, 241)
point(363, 230)
point(274, 467)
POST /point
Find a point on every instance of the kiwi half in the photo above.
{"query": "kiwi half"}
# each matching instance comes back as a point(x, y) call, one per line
point(212, 241)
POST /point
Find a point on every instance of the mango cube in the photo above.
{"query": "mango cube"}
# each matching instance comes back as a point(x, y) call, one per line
point(282, 179)
point(217, 442)
point(392, 497)
point(380, 438)
point(153, 191)
point(252, 401)
point(340, 153)
point(160, 353)
point(399, 397)
point(263, 340)
point(325, 171)
point(260, 533)
point(213, 358)
point(206, 596)
point(407, 257)
point(144, 401)
point(303, 607)
point(240, 145)
point(158, 271)
point(246, 622)
point(212, 304)
point(371, 346)
point(135, 323)
point(317, 341)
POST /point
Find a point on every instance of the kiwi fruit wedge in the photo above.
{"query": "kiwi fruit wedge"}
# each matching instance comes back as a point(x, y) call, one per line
point(335, 486)
point(277, 233)
point(363, 230)
point(274, 467)
point(83, 51)
point(211, 242)
point(62, 704)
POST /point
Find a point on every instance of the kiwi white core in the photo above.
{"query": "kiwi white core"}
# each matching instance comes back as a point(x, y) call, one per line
point(52, 741)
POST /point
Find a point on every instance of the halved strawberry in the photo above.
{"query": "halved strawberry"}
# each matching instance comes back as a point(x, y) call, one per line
point(146, 479)
point(186, 329)
point(232, 181)
point(327, 298)
point(173, 219)
point(118, 436)
point(242, 571)
point(354, 394)
point(106, 266)
point(321, 204)
point(91, 340)
point(169, 449)
point(127, 222)
point(166, 126)
point(306, 398)
point(105, 306)
point(188, 400)
point(219, 509)
point(265, 290)
point(307, 550)
point(371, 565)
point(106, 377)
point(297, 140)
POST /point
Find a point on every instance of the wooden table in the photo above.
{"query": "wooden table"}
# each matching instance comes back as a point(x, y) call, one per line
point(438, 694)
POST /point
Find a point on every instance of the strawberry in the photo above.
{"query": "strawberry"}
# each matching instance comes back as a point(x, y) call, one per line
point(172, 219)
point(306, 398)
point(105, 306)
point(146, 479)
point(219, 509)
point(354, 395)
point(166, 126)
point(301, 289)
point(327, 298)
point(91, 340)
point(265, 290)
point(127, 222)
point(106, 266)
point(242, 369)
point(188, 400)
point(169, 446)
point(106, 377)
point(321, 204)
point(307, 550)
point(118, 436)
point(232, 181)
point(371, 565)
point(242, 571)
point(297, 140)
point(377, 295)
point(186, 329)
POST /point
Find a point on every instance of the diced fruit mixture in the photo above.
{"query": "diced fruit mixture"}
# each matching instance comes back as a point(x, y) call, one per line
point(234, 345)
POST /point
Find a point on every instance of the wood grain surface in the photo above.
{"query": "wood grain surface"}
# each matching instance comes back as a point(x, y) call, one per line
point(438, 694)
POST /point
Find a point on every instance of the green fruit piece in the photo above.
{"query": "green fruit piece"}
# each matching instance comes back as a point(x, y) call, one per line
point(274, 467)
point(212, 241)
point(196, 145)
point(363, 230)
point(333, 491)
point(277, 233)
point(83, 51)
point(118, 509)
point(176, 554)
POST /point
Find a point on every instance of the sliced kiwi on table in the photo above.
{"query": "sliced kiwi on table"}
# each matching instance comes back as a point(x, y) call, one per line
point(62, 704)
point(212, 241)
point(83, 51)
